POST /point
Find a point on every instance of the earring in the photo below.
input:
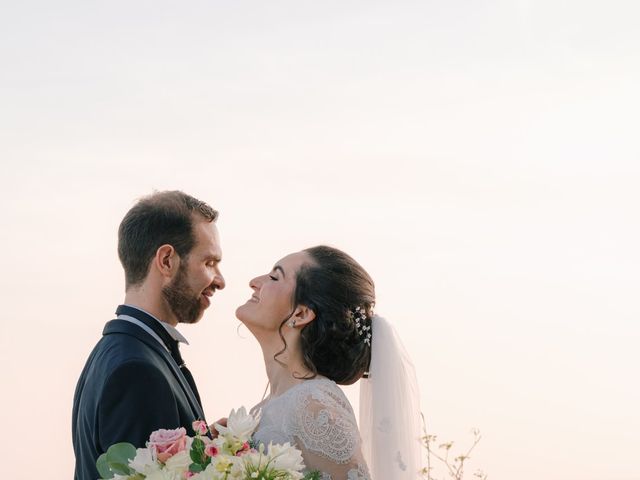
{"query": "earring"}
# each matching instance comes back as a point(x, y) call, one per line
point(291, 323)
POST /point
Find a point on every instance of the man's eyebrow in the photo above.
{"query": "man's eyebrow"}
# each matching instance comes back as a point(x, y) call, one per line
point(278, 267)
point(215, 258)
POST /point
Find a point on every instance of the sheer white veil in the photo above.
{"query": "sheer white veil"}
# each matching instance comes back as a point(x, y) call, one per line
point(390, 418)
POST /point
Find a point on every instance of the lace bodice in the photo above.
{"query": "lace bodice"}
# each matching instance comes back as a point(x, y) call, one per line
point(317, 418)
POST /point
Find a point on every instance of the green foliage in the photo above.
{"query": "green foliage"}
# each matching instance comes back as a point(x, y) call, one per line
point(116, 460)
point(198, 457)
point(315, 475)
point(197, 451)
point(103, 467)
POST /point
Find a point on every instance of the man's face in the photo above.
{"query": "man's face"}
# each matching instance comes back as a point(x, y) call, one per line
point(188, 295)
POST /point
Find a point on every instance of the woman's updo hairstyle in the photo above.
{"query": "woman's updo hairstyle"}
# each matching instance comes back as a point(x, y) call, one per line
point(337, 344)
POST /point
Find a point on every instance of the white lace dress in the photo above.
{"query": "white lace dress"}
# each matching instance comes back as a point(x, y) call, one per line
point(317, 418)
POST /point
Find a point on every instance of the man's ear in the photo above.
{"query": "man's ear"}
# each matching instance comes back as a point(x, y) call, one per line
point(303, 315)
point(166, 261)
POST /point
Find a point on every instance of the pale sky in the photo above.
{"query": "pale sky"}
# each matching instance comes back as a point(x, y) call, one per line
point(480, 159)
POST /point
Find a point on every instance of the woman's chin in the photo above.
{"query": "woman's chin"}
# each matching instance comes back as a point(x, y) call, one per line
point(241, 313)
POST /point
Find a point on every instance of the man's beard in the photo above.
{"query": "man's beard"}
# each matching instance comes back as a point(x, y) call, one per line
point(184, 304)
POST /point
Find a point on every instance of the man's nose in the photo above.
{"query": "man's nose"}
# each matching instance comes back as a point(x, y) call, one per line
point(219, 282)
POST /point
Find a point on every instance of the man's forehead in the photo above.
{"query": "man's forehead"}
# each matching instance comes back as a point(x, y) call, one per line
point(208, 239)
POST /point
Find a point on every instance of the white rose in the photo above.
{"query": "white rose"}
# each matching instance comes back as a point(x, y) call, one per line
point(164, 475)
point(144, 462)
point(286, 457)
point(240, 425)
point(207, 474)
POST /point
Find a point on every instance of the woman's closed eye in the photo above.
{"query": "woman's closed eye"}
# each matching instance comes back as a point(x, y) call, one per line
point(273, 277)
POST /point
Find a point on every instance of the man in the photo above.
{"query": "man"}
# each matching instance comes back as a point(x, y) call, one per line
point(135, 381)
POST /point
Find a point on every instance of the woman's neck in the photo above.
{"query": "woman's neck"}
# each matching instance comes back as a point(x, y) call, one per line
point(287, 371)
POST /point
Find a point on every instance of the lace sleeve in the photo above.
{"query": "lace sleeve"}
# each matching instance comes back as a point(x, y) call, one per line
point(324, 428)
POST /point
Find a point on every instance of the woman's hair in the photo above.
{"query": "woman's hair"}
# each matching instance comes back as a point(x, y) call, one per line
point(337, 344)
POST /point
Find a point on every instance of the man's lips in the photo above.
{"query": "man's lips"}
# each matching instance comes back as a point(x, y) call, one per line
point(206, 297)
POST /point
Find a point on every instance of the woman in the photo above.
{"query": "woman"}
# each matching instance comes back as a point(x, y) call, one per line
point(313, 317)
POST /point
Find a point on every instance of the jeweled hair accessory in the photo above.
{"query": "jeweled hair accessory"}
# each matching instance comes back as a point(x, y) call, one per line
point(359, 316)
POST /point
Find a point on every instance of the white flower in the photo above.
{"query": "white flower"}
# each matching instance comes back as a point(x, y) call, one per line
point(179, 463)
point(252, 459)
point(240, 425)
point(164, 475)
point(218, 467)
point(286, 457)
point(144, 462)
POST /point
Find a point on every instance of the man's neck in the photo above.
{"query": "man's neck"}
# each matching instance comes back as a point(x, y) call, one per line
point(140, 298)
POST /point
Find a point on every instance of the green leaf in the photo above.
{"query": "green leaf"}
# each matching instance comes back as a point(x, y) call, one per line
point(118, 456)
point(197, 451)
point(103, 467)
point(315, 475)
point(196, 468)
point(120, 468)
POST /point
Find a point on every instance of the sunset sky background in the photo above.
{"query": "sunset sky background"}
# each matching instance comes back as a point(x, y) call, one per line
point(480, 159)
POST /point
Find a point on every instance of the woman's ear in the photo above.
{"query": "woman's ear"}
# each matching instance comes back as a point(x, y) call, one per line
point(303, 315)
point(166, 261)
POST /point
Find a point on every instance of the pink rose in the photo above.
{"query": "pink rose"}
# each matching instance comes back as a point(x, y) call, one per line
point(167, 443)
point(200, 427)
point(210, 450)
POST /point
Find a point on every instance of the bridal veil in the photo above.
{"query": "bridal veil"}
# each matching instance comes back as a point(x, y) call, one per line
point(390, 418)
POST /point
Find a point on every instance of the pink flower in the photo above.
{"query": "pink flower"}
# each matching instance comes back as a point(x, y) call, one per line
point(167, 443)
point(211, 450)
point(188, 474)
point(246, 448)
point(200, 427)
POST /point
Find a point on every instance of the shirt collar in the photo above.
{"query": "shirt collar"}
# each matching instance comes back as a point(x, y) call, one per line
point(173, 331)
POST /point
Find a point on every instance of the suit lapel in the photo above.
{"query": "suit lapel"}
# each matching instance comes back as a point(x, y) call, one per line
point(128, 328)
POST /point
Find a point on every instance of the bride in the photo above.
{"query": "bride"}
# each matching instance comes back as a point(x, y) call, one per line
point(313, 318)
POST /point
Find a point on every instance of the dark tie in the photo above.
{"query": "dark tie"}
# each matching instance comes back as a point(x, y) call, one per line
point(167, 339)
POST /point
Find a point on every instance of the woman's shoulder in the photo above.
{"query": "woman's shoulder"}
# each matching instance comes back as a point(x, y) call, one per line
point(322, 419)
point(320, 391)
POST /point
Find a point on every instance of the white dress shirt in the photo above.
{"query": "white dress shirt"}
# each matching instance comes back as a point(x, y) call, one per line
point(173, 331)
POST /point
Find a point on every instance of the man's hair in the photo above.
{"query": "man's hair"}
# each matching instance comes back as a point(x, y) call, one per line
point(158, 219)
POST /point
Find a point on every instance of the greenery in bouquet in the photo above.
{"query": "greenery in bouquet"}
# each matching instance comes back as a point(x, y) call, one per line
point(232, 455)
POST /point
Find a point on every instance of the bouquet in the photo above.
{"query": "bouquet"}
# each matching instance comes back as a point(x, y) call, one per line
point(232, 455)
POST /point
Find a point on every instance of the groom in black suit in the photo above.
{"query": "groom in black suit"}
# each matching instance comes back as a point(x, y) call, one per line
point(135, 381)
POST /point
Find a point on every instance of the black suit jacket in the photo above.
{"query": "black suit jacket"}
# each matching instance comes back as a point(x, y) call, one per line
point(130, 386)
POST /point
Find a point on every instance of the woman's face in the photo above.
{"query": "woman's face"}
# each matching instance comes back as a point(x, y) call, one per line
point(271, 302)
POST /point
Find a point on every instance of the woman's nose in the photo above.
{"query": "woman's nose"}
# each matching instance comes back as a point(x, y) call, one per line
point(255, 283)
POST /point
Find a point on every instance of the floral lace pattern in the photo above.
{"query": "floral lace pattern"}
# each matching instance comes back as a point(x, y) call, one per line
point(359, 473)
point(316, 416)
point(323, 421)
